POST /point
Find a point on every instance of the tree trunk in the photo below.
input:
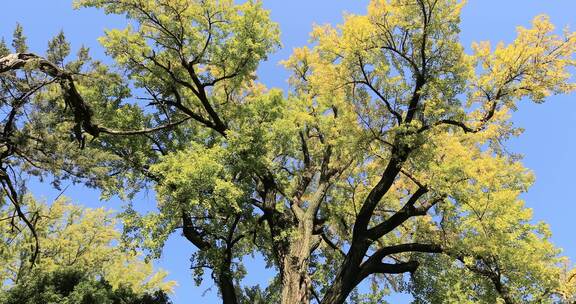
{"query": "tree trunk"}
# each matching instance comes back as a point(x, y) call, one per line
point(226, 286)
point(347, 278)
point(296, 282)
point(339, 291)
point(349, 272)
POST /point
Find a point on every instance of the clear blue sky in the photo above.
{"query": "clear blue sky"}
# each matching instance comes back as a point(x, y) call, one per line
point(548, 143)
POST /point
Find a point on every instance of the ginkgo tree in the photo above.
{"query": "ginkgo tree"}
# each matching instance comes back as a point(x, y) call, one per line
point(383, 164)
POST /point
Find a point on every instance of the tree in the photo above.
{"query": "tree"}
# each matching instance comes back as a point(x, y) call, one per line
point(73, 286)
point(384, 159)
point(79, 260)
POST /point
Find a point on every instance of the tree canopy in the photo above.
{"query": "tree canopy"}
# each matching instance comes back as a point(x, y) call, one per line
point(73, 286)
point(79, 259)
point(383, 165)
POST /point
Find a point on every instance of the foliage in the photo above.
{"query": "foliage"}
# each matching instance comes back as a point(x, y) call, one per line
point(77, 246)
point(72, 286)
point(384, 162)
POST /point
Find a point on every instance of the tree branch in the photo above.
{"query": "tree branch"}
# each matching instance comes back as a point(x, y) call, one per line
point(407, 211)
point(143, 131)
point(192, 234)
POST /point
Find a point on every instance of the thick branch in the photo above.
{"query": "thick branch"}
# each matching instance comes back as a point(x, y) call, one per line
point(192, 234)
point(143, 131)
point(410, 247)
point(201, 94)
point(467, 129)
point(410, 266)
point(83, 114)
point(408, 211)
point(373, 198)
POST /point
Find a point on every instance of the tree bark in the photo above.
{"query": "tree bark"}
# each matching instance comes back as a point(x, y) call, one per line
point(296, 282)
point(226, 282)
point(347, 278)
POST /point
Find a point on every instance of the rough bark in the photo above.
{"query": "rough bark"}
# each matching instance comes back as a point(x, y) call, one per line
point(296, 282)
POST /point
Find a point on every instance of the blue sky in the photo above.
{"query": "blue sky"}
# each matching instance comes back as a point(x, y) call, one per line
point(548, 143)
